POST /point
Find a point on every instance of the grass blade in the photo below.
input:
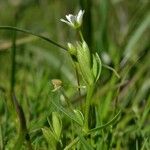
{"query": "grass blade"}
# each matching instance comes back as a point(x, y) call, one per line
point(13, 61)
point(23, 133)
point(136, 36)
point(67, 113)
point(105, 125)
point(35, 34)
point(85, 143)
point(76, 140)
point(1, 139)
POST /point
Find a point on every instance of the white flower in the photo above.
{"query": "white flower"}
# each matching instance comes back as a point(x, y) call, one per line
point(74, 21)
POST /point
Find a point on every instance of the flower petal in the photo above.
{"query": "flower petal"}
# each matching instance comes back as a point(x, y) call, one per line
point(80, 16)
point(74, 20)
point(69, 17)
point(65, 21)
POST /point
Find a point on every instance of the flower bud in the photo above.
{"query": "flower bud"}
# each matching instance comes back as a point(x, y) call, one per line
point(72, 49)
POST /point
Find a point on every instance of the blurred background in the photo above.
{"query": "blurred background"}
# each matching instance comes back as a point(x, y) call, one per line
point(118, 30)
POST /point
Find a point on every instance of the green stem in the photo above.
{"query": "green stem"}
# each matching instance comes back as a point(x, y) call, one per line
point(34, 34)
point(78, 80)
point(81, 35)
point(105, 125)
point(90, 90)
point(66, 99)
point(76, 140)
point(112, 69)
point(2, 138)
point(13, 61)
point(72, 143)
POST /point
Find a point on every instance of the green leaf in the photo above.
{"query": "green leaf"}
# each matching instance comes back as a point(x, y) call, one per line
point(112, 69)
point(79, 116)
point(84, 61)
point(57, 124)
point(99, 66)
point(50, 137)
point(105, 125)
point(69, 114)
point(94, 66)
point(85, 143)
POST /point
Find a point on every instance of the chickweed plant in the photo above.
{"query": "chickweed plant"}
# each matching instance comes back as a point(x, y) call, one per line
point(88, 67)
point(89, 112)
point(81, 134)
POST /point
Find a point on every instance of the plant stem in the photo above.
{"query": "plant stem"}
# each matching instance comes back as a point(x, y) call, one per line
point(90, 90)
point(2, 138)
point(34, 34)
point(81, 36)
point(13, 61)
point(76, 140)
point(72, 143)
point(106, 124)
point(78, 80)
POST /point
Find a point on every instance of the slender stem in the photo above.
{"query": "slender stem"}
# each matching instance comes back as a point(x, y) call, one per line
point(75, 141)
point(66, 99)
point(78, 80)
point(144, 144)
point(105, 125)
point(81, 35)
point(34, 34)
point(13, 55)
point(72, 143)
point(90, 90)
point(2, 139)
point(13, 61)
point(112, 69)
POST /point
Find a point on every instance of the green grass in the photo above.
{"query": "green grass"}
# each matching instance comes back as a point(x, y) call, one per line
point(33, 51)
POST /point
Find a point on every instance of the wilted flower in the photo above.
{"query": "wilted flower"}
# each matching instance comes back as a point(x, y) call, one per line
point(74, 21)
point(57, 84)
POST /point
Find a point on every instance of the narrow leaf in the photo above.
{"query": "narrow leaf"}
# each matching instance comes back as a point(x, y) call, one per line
point(50, 138)
point(35, 34)
point(85, 143)
point(106, 125)
point(67, 113)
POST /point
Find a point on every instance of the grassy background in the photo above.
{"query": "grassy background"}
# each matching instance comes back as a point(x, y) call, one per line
point(117, 29)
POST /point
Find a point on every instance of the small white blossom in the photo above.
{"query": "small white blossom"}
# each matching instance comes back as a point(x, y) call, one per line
point(74, 21)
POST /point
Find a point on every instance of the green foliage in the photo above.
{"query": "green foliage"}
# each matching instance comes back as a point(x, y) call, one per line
point(50, 137)
point(110, 60)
